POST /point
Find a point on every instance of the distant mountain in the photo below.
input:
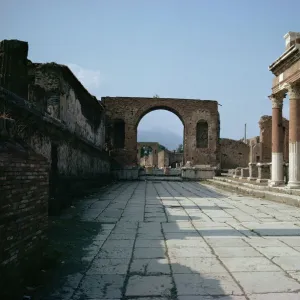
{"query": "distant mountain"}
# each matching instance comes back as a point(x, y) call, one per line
point(166, 138)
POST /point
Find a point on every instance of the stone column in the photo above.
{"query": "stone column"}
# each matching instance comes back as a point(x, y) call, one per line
point(277, 140)
point(294, 136)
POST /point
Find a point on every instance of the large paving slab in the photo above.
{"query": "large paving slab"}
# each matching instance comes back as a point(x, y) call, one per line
point(178, 240)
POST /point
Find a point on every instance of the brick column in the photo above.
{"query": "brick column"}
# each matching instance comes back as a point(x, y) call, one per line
point(277, 140)
point(294, 136)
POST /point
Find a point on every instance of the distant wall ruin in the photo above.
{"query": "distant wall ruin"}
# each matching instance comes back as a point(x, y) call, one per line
point(233, 153)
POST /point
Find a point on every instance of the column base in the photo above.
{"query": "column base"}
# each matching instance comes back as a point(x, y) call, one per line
point(273, 183)
point(293, 185)
point(276, 170)
point(251, 178)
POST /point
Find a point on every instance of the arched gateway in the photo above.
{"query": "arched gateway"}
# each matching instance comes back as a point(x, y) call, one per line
point(200, 119)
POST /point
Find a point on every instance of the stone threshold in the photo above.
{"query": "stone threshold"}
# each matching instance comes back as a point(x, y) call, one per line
point(276, 194)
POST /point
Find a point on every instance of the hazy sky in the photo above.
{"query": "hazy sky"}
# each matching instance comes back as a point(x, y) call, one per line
point(205, 49)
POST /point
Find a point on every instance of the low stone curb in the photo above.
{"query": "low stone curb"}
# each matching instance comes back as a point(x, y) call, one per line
point(257, 191)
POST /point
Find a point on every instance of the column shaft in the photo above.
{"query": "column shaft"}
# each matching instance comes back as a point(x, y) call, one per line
point(277, 141)
point(294, 137)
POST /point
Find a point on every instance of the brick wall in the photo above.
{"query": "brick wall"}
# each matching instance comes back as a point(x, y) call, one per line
point(24, 185)
point(234, 154)
point(58, 118)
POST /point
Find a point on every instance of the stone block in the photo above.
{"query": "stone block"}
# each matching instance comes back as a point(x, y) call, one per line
point(197, 173)
point(264, 172)
point(253, 171)
point(237, 173)
point(244, 173)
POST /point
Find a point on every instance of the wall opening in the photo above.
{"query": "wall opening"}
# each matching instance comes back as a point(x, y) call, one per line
point(202, 134)
point(119, 134)
point(160, 139)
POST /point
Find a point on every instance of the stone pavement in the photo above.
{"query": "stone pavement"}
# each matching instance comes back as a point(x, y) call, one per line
point(182, 240)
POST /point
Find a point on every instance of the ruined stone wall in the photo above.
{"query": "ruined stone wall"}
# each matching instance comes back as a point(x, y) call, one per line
point(265, 125)
point(57, 90)
point(73, 160)
point(24, 186)
point(255, 149)
point(154, 155)
point(13, 66)
point(58, 118)
point(234, 154)
point(163, 158)
point(175, 157)
point(147, 161)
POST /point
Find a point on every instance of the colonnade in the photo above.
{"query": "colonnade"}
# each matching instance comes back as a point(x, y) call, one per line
point(277, 179)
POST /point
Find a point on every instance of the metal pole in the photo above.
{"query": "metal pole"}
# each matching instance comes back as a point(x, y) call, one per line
point(245, 136)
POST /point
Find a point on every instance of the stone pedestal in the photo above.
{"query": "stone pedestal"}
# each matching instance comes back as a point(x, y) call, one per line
point(149, 170)
point(264, 172)
point(244, 173)
point(231, 172)
point(253, 171)
point(237, 173)
point(166, 170)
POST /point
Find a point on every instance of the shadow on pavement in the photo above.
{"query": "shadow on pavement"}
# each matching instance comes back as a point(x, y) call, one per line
point(151, 245)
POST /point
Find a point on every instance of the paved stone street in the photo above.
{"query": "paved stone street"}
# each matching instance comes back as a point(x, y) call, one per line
point(182, 240)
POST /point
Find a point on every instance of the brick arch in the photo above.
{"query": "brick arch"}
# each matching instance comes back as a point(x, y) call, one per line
point(189, 111)
point(144, 110)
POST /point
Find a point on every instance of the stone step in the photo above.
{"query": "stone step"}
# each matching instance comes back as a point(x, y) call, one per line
point(260, 186)
point(160, 178)
point(269, 193)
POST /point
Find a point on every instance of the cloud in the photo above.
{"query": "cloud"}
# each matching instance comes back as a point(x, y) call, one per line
point(91, 79)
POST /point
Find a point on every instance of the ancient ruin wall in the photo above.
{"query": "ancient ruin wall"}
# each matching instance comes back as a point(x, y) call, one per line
point(24, 185)
point(13, 66)
point(255, 149)
point(199, 149)
point(163, 158)
point(234, 154)
point(175, 157)
point(155, 148)
point(55, 88)
point(60, 120)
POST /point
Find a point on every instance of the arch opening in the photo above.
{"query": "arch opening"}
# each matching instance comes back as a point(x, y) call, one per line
point(160, 135)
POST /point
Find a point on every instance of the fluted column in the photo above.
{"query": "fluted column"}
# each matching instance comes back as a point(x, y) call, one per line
point(277, 140)
point(294, 135)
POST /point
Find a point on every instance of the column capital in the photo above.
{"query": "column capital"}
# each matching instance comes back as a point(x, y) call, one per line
point(277, 100)
point(293, 90)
